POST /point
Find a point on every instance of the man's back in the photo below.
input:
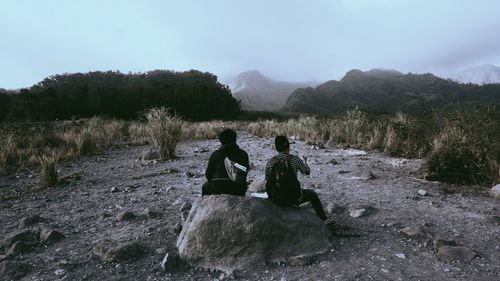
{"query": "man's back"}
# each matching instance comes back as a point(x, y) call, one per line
point(216, 168)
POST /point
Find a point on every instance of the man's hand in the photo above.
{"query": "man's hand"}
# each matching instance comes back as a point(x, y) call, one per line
point(305, 158)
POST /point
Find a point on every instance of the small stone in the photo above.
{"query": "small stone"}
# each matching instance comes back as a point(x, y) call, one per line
point(161, 251)
point(344, 172)
point(49, 236)
point(438, 243)
point(422, 192)
point(300, 260)
point(112, 252)
point(368, 175)
point(172, 171)
point(332, 208)
point(152, 214)
point(495, 191)
point(149, 154)
point(60, 272)
point(115, 189)
point(189, 174)
point(177, 228)
point(359, 211)
point(31, 220)
point(186, 206)
point(184, 215)
point(125, 216)
point(333, 162)
point(401, 256)
point(413, 231)
point(492, 219)
point(170, 262)
point(456, 253)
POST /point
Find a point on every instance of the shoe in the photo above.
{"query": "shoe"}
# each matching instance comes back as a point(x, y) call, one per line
point(327, 222)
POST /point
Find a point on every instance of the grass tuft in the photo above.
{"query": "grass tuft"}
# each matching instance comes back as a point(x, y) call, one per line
point(166, 131)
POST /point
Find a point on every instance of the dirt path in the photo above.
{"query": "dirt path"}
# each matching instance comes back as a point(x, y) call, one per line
point(85, 210)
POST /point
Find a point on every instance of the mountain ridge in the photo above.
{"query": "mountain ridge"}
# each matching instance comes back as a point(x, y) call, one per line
point(387, 91)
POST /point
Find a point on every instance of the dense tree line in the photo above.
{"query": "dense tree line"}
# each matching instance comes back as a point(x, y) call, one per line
point(194, 95)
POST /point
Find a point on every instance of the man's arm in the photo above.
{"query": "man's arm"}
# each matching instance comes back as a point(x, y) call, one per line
point(302, 165)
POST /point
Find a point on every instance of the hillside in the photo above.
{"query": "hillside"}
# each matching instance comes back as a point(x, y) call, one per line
point(482, 74)
point(388, 91)
point(258, 92)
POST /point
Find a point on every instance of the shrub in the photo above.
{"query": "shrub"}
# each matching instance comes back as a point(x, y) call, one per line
point(465, 150)
point(166, 131)
point(10, 155)
point(49, 175)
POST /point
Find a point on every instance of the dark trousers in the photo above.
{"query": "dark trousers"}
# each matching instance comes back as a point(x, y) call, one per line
point(309, 195)
point(223, 187)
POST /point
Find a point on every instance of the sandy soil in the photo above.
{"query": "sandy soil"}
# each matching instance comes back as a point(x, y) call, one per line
point(84, 208)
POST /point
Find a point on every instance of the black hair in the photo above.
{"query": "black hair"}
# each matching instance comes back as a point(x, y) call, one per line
point(281, 143)
point(227, 136)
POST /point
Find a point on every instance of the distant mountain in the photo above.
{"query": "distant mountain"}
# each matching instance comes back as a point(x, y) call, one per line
point(482, 74)
point(387, 91)
point(257, 92)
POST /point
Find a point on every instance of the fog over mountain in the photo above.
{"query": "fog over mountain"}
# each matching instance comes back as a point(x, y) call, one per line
point(482, 74)
point(287, 40)
point(258, 92)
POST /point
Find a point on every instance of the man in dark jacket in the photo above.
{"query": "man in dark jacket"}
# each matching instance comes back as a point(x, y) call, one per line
point(292, 193)
point(218, 179)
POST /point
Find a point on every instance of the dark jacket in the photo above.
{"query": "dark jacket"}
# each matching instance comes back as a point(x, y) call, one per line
point(216, 168)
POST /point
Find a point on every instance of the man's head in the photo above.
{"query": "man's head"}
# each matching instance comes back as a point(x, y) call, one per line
point(281, 143)
point(227, 136)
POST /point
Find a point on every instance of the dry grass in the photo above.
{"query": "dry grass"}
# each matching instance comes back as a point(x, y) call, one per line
point(10, 157)
point(49, 175)
point(464, 148)
point(166, 131)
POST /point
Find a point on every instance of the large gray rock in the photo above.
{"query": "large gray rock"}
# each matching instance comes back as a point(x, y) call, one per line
point(231, 233)
point(258, 185)
point(495, 191)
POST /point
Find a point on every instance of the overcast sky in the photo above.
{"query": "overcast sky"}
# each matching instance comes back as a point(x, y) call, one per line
point(285, 40)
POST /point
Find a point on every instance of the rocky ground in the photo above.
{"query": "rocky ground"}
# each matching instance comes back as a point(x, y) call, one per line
point(115, 217)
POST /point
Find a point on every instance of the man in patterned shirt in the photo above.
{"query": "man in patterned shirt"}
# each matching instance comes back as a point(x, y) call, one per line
point(294, 194)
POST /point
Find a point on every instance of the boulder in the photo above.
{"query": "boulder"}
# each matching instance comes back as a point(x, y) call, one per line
point(229, 233)
point(495, 191)
point(112, 251)
point(456, 253)
point(258, 185)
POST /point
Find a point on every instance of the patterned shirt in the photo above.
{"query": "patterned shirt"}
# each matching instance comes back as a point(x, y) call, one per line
point(297, 164)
